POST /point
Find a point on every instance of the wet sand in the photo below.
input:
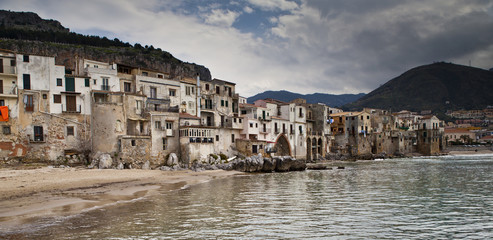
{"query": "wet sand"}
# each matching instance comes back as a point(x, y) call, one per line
point(29, 194)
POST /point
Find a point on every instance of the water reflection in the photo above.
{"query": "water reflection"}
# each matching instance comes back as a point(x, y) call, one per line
point(404, 198)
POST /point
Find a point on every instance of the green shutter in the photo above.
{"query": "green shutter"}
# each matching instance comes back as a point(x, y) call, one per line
point(87, 82)
point(70, 84)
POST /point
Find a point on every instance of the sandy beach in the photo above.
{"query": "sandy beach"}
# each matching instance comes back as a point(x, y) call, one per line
point(44, 192)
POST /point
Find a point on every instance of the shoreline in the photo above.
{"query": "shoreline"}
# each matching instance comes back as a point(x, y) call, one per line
point(31, 194)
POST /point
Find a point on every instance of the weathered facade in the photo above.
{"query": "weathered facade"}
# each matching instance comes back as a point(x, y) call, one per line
point(50, 113)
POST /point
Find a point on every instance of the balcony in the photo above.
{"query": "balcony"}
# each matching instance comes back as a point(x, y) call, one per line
point(162, 109)
point(37, 138)
point(9, 70)
point(316, 133)
point(11, 93)
point(71, 109)
point(169, 132)
point(105, 87)
point(208, 107)
point(201, 140)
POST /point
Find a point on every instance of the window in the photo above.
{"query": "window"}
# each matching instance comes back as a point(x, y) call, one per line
point(6, 130)
point(29, 103)
point(12, 63)
point(105, 85)
point(301, 129)
point(251, 125)
point(45, 96)
point(232, 138)
point(145, 74)
point(169, 125)
point(189, 90)
point(172, 92)
point(160, 76)
point(127, 87)
point(70, 130)
point(218, 90)
point(133, 142)
point(86, 82)
point(157, 124)
point(207, 87)
point(95, 81)
point(2, 102)
point(1, 85)
point(217, 138)
point(59, 82)
point(27, 81)
point(153, 92)
point(138, 104)
point(165, 143)
point(26, 58)
point(226, 103)
point(38, 134)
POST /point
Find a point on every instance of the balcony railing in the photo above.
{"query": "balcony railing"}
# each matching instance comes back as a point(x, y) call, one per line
point(208, 107)
point(37, 138)
point(9, 70)
point(71, 109)
point(169, 132)
point(162, 109)
point(201, 140)
point(105, 87)
point(137, 133)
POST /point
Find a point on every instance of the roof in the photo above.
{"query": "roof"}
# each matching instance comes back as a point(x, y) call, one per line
point(428, 117)
point(456, 130)
point(219, 80)
point(247, 105)
point(343, 114)
point(188, 116)
point(278, 118)
point(189, 80)
point(274, 101)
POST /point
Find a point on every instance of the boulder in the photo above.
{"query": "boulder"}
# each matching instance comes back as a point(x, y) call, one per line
point(165, 168)
point(172, 160)
point(239, 165)
point(269, 165)
point(105, 161)
point(120, 166)
point(287, 163)
point(146, 166)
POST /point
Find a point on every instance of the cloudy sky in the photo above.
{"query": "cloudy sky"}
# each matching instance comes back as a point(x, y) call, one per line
point(304, 46)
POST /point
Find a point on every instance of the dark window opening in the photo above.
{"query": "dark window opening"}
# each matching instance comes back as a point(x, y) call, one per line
point(70, 130)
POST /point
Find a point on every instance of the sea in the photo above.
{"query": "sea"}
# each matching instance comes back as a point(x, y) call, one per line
point(446, 197)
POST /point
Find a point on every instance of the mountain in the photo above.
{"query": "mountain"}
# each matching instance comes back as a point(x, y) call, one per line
point(26, 32)
point(328, 99)
point(437, 87)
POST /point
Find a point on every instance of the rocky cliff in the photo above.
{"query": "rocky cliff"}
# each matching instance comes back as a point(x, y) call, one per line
point(27, 33)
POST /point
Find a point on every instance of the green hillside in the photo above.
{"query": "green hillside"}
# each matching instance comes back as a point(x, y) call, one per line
point(437, 87)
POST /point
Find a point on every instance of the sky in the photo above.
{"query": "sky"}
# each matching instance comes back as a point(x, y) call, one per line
point(303, 46)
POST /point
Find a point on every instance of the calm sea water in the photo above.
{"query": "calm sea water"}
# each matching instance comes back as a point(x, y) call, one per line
point(423, 198)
